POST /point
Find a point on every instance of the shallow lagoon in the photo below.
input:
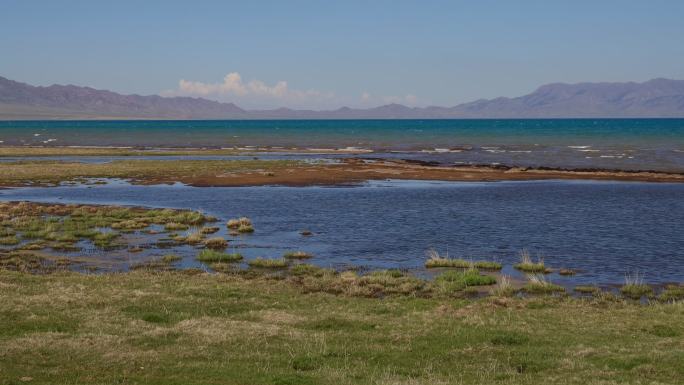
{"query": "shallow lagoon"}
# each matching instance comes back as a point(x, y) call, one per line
point(603, 229)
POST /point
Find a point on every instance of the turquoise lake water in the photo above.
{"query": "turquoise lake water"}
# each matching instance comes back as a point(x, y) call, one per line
point(644, 144)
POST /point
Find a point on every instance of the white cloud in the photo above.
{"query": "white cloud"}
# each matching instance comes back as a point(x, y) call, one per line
point(255, 93)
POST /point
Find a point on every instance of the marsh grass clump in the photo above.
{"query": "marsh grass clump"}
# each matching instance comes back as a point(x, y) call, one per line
point(385, 282)
point(9, 240)
point(209, 230)
point(503, 288)
point(487, 265)
point(193, 239)
point(269, 263)
point(297, 255)
point(7, 232)
point(33, 234)
point(672, 293)
point(216, 243)
point(587, 289)
point(537, 284)
point(212, 256)
point(131, 224)
point(528, 265)
point(27, 262)
point(34, 246)
point(105, 239)
point(634, 287)
point(242, 225)
point(175, 226)
point(448, 262)
point(435, 261)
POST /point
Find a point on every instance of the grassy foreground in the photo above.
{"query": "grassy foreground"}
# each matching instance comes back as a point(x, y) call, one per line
point(186, 327)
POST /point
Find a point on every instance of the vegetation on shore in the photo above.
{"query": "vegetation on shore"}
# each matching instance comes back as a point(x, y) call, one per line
point(206, 172)
point(527, 265)
point(188, 327)
point(34, 226)
point(435, 260)
point(210, 256)
point(49, 173)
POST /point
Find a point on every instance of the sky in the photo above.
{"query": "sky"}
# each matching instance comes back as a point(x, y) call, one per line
point(325, 54)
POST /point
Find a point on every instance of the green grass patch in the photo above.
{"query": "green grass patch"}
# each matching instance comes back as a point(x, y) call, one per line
point(527, 265)
point(635, 288)
point(451, 281)
point(209, 256)
point(268, 263)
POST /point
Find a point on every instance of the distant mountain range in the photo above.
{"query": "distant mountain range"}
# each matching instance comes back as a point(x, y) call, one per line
point(654, 98)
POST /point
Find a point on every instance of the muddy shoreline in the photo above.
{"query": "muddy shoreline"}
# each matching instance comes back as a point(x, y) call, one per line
point(356, 170)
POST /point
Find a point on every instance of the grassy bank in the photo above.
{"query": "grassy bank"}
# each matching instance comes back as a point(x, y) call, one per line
point(205, 172)
point(149, 171)
point(187, 327)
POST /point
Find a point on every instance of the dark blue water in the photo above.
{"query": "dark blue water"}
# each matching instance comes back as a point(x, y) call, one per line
point(604, 229)
point(656, 144)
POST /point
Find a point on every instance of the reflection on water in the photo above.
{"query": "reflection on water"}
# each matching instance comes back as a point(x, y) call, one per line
point(602, 229)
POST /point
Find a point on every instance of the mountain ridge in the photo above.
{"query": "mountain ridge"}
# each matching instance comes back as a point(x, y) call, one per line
point(655, 98)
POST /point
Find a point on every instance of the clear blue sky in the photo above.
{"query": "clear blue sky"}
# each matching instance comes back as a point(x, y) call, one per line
point(332, 53)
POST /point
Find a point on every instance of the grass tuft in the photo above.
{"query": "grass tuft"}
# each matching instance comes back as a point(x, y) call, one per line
point(209, 255)
point(297, 255)
point(537, 284)
point(634, 287)
point(216, 243)
point(672, 293)
point(586, 289)
point(209, 230)
point(528, 265)
point(504, 287)
point(174, 226)
point(9, 241)
point(268, 263)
